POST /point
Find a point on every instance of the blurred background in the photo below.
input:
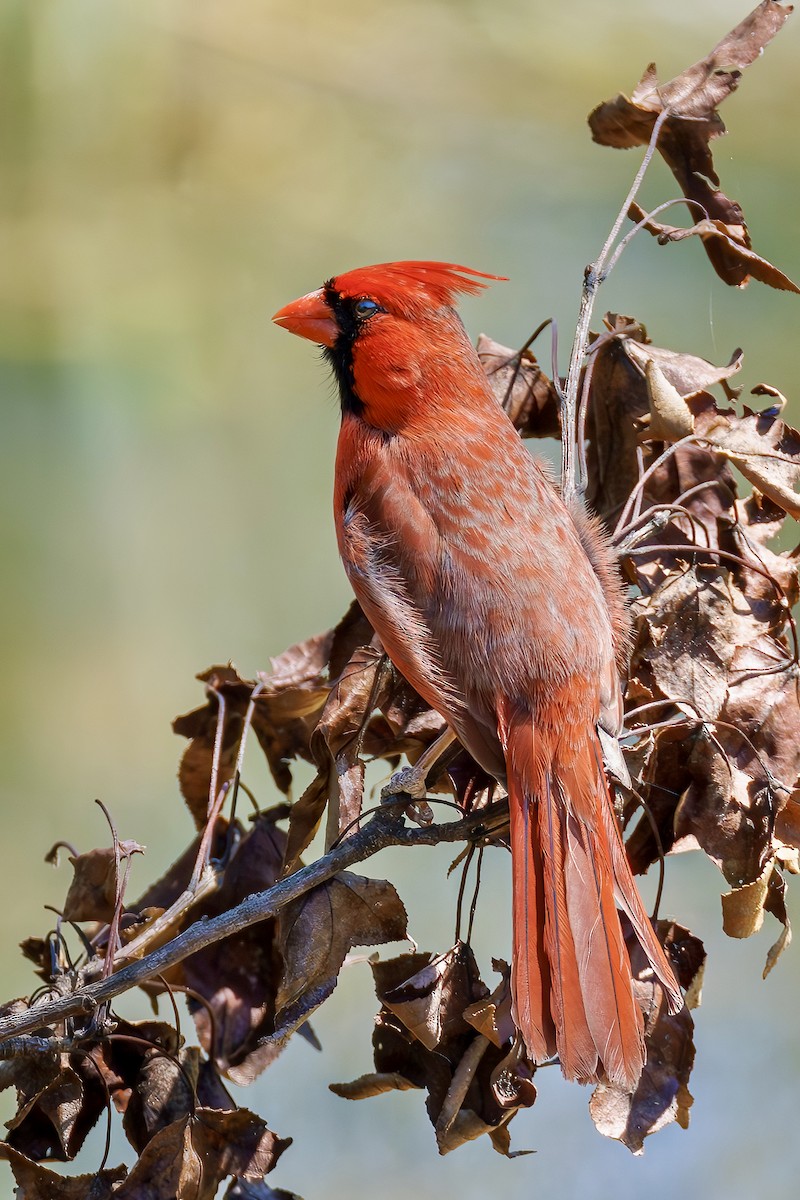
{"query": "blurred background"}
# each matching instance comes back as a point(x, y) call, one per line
point(173, 171)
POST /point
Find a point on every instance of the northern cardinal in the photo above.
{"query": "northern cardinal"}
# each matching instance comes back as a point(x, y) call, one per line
point(503, 608)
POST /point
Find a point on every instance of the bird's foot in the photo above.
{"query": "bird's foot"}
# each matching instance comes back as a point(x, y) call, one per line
point(409, 782)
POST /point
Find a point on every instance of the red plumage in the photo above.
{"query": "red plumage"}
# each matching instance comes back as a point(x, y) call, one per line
point(503, 609)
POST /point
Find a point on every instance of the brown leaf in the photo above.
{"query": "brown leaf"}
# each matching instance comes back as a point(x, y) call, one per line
point(238, 977)
point(285, 712)
point(522, 387)
point(49, 1098)
point(296, 689)
point(618, 399)
point(192, 1156)
point(722, 245)
point(432, 1003)
point(687, 633)
point(319, 929)
point(670, 416)
point(767, 452)
point(726, 812)
point(492, 1016)
point(662, 1095)
point(200, 725)
point(684, 141)
point(618, 403)
point(337, 740)
point(776, 904)
point(688, 374)
point(787, 824)
point(93, 889)
point(743, 907)
point(423, 1040)
point(35, 1182)
point(117, 1060)
point(743, 910)
point(163, 1093)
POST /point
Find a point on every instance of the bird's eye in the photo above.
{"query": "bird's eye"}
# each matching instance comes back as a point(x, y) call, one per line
point(365, 308)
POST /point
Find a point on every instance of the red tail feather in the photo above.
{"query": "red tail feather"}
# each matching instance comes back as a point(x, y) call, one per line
point(571, 979)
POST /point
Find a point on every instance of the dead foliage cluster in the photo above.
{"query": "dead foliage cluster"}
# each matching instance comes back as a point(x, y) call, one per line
point(696, 482)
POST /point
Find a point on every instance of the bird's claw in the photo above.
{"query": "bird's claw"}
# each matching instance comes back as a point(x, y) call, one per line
point(408, 781)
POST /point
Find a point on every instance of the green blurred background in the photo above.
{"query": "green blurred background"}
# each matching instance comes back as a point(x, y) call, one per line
point(171, 172)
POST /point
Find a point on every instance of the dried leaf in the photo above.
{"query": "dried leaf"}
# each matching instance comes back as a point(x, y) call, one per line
point(492, 1017)
point(693, 121)
point(767, 452)
point(319, 929)
point(722, 246)
point(687, 632)
point(522, 387)
point(337, 739)
point(688, 374)
point(670, 417)
point(743, 907)
point(35, 1182)
point(192, 1156)
point(163, 1093)
point(776, 904)
point(93, 889)
point(662, 1095)
point(473, 1086)
point(432, 1002)
point(50, 1099)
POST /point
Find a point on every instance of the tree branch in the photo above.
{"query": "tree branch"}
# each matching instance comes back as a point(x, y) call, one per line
point(385, 829)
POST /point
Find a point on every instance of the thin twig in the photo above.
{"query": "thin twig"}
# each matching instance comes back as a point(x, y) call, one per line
point(594, 276)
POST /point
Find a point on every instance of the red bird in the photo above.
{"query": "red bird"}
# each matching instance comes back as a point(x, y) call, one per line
point(503, 608)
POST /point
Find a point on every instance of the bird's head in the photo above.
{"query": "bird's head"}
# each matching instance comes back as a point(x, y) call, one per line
point(392, 337)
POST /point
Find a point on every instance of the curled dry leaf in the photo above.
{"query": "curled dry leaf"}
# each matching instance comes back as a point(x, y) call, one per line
point(618, 403)
point(492, 1016)
point(662, 1095)
point(286, 710)
point(721, 245)
point(687, 373)
point(93, 889)
point(422, 1039)
point(48, 1122)
point(687, 633)
point(163, 1092)
point(431, 1004)
point(670, 416)
point(337, 740)
point(693, 122)
point(523, 389)
point(743, 910)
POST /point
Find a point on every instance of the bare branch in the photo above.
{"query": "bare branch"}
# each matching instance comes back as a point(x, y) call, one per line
point(385, 829)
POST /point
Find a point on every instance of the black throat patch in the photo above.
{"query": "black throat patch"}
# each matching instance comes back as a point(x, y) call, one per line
point(340, 355)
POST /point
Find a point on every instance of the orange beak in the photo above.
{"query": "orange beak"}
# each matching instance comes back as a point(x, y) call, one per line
point(309, 317)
